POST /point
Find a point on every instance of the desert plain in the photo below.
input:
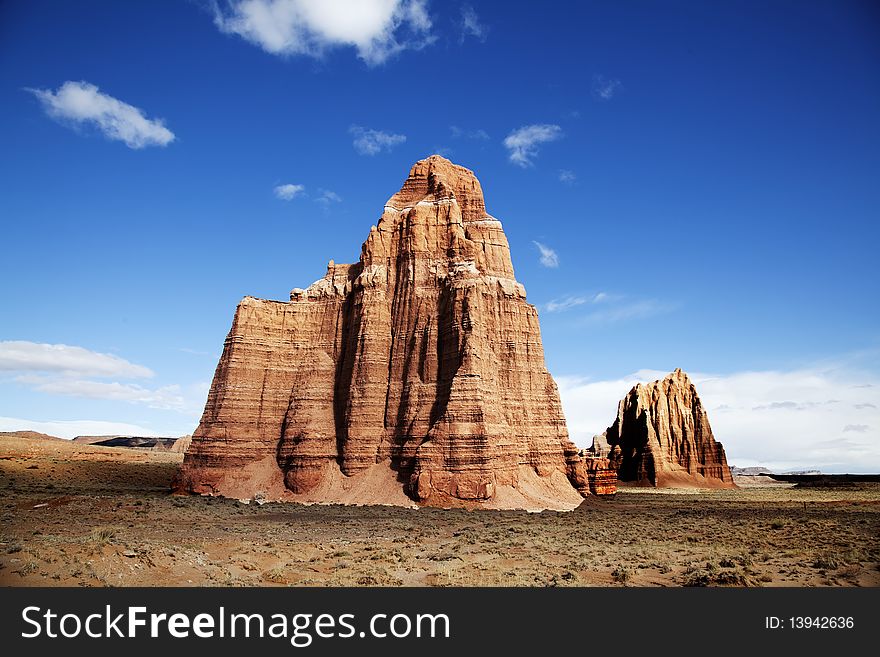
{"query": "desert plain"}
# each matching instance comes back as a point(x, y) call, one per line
point(80, 515)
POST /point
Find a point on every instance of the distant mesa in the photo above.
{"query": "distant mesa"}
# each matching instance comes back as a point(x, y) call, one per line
point(31, 435)
point(753, 471)
point(153, 443)
point(414, 376)
point(661, 437)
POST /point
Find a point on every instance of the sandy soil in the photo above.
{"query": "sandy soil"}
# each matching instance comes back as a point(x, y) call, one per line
point(77, 515)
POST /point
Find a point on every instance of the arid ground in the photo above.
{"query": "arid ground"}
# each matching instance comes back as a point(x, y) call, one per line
point(76, 515)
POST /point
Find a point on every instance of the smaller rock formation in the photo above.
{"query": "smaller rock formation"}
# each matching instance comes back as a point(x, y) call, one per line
point(591, 474)
point(601, 475)
point(182, 444)
point(662, 437)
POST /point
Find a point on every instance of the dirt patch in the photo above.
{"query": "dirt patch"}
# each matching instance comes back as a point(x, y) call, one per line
point(92, 516)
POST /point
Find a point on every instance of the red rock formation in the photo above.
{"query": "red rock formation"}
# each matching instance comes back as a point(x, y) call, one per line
point(662, 437)
point(416, 374)
point(601, 475)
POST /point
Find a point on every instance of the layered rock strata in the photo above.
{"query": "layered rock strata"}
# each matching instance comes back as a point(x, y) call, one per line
point(662, 437)
point(415, 375)
point(601, 475)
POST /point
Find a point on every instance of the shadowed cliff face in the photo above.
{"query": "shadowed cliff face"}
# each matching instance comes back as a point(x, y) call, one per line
point(416, 374)
point(662, 437)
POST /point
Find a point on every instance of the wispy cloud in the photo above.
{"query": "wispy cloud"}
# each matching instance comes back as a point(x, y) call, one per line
point(567, 177)
point(627, 310)
point(460, 133)
point(164, 398)
point(72, 428)
point(195, 352)
point(605, 88)
point(603, 308)
point(522, 144)
point(289, 191)
point(326, 197)
point(376, 29)
point(24, 356)
point(83, 104)
point(471, 25)
point(70, 371)
point(573, 301)
point(809, 433)
point(547, 256)
point(371, 142)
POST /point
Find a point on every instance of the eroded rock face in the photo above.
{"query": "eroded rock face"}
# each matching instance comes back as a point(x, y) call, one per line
point(601, 475)
point(414, 375)
point(662, 437)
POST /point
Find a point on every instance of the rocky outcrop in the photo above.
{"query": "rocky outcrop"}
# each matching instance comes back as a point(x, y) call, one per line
point(153, 443)
point(415, 375)
point(601, 475)
point(180, 445)
point(662, 437)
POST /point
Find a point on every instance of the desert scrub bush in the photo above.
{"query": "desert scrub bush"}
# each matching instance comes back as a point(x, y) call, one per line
point(850, 572)
point(102, 535)
point(621, 574)
point(27, 569)
point(701, 577)
point(744, 560)
point(831, 561)
point(275, 575)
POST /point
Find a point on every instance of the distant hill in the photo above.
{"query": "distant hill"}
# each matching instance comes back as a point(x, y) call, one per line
point(34, 435)
point(155, 443)
point(748, 472)
point(91, 440)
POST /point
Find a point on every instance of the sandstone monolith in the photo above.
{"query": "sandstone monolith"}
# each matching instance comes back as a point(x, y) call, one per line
point(415, 375)
point(661, 437)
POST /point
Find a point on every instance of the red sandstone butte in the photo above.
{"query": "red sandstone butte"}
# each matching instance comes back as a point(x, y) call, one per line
point(662, 438)
point(414, 376)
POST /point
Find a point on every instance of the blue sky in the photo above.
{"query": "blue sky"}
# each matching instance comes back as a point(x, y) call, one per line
point(701, 179)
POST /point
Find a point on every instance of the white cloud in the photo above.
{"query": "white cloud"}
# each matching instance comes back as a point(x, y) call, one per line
point(471, 25)
point(164, 398)
point(370, 142)
point(573, 301)
point(326, 197)
point(59, 369)
point(377, 29)
point(523, 142)
point(603, 308)
point(477, 135)
point(605, 88)
point(195, 352)
point(567, 177)
point(23, 356)
point(73, 428)
point(626, 309)
point(749, 417)
point(82, 103)
point(548, 256)
point(289, 191)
